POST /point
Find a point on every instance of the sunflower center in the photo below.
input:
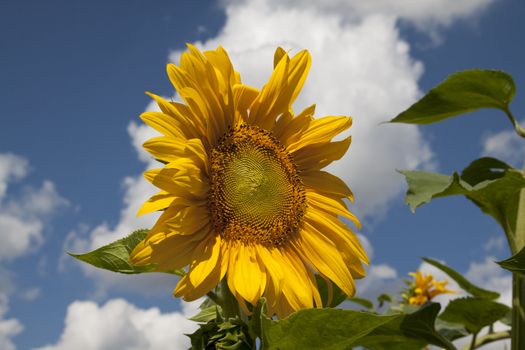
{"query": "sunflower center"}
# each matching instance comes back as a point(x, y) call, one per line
point(256, 195)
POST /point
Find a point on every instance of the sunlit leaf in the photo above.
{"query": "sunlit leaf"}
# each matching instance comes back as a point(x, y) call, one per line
point(465, 284)
point(460, 93)
point(342, 329)
point(474, 313)
point(515, 263)
point(115, 256)
point(490, 183)
point(410, 331)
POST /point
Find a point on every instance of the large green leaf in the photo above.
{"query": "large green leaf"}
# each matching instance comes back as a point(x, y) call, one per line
point(460, 93)
point(490, 183)
point(115, 256)
point(342, 329)
point(516, 263)
point(474, 313)
point(321, 329)
point(465, 284)
point(411, 331)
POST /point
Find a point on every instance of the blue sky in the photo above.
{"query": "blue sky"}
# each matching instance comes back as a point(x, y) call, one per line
point(72, 80)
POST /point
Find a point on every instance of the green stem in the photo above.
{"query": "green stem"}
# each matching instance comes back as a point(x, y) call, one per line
point(214, 297)
point(229, 303)
point(489, 338)
point(518, 282)
point(473, 342)
point(519, 130)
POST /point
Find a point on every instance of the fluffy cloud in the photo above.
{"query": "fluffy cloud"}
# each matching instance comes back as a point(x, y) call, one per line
point(505, 145)
point(422, 13)
point(120, 325)
point(8, 327)
point(22, 221)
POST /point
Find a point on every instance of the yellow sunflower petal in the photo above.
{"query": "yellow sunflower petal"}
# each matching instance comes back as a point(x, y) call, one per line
point(319, 155)
point(321, 181)
point(171, 150)
point(163, 123)
point(245, 275)
point(205, 259)
point(325, 258)
point(180, 114)
point(160, 201)
point(181, 178)
point(321, 130)
point(273, 99)
point(330, 206)
point(337, 232)
point(289, 128)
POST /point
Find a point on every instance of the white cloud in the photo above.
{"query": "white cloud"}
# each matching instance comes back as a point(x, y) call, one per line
point(11, 167)
point(505, 145)
point(22, 221)
point(9, 327)
point(380, 278)
point(120, 325)
point(424, 14)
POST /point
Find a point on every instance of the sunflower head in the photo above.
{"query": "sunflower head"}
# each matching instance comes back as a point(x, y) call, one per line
point(424, 288)
point(243, 195)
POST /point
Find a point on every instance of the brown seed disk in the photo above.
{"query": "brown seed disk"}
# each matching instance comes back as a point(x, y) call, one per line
point(256, 193)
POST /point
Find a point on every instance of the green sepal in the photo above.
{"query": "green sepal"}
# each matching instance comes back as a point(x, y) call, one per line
point(461, 92)
point(516, 263)
point(465, 284)
point(474, 313)
point(207, 314)
point(115, 256)
point(338, 296)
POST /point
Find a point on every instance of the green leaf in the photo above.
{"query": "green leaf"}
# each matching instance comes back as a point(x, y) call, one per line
point(206, 314)
point(410, 331)
point(115, 256)
point(465, 284)
point(474, 313)
point(362, 301)
point(460, 93)
point(329, 329)
point(516, 263)
point(338, 296)
point(384, 298)
point(489, 183)
point(451, 331)
point(335, 329)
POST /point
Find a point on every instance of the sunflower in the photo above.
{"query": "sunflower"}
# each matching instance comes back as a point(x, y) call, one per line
point(425, 288)
point(242, 191)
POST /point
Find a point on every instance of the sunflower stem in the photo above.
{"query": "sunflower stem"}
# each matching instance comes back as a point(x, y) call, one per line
point(518, 281)
point(229, 304)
